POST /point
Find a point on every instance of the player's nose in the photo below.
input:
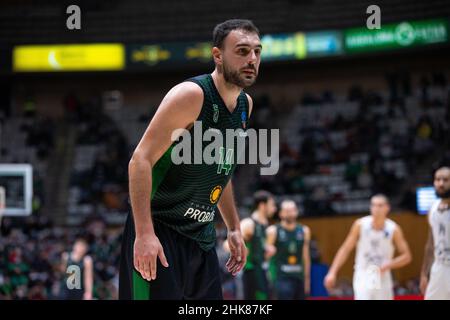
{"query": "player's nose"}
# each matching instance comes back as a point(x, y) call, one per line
point(253, 58)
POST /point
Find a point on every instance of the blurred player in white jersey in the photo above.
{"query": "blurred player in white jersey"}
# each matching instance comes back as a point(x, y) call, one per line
point(435, 278)
point(375, 237)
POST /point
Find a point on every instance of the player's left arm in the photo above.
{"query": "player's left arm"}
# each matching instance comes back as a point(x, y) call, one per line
point(235, 241)
point(307, 259)
point(428, 259)
point(229, 213)
point(402, 246)
point(88, 278)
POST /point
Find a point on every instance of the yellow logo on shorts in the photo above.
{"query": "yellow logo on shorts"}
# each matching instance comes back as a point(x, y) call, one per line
point(215, 194)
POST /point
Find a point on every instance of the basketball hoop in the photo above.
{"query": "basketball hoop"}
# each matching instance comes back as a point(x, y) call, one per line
point(16, 180)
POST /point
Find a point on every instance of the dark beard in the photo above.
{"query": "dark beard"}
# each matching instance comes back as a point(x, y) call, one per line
point(443, 195)
point(233, 77)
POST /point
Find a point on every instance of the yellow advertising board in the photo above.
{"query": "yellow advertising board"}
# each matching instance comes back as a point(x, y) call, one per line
point(69, 57)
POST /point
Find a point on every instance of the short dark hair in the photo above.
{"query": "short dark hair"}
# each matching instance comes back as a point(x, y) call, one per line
point(82, 239)
point(382, 195)
point(441, 168)
point(261, 196)
point(222, 30)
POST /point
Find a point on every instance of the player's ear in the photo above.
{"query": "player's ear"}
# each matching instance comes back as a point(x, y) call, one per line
point(217, 55)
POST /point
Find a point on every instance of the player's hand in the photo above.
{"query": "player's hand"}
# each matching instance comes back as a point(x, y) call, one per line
point(385, 267)
point(238, 252)
point(146, 251)
point(269, 251)
point(423, 284)
point(330, 281)
point(87, 295)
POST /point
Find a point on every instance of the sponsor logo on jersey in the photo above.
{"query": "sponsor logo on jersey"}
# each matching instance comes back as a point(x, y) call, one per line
point(215, 194)
point(199, 215)
point(244, 119)
point(291, 268)
point(292, 260)
point(216, 113)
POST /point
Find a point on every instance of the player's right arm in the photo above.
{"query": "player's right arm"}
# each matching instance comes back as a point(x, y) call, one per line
point(307, 259)
point(342, 255)
point(428, 259)
point(178, 110)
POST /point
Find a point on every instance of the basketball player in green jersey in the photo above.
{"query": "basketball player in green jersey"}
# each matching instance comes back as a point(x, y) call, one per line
point(290, 266)
point(168, 249)
point(78, 259)
point(254, 232)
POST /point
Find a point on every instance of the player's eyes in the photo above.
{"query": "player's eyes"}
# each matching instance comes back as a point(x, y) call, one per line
point(243, 51)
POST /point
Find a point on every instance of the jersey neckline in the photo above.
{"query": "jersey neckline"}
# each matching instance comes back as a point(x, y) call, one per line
point(221, 99)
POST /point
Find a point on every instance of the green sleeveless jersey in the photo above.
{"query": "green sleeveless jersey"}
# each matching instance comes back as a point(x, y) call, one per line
point(185, 196)
point(73, 293)
point(288, 260)
point(255, 247)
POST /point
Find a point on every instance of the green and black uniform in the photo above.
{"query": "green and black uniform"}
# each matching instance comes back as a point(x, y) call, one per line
point(184, 203)
point(286, 266)
point(254, 277)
